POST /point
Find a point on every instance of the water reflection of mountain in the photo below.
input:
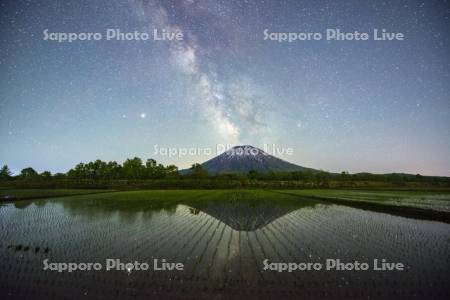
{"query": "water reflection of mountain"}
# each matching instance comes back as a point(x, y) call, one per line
point(240, 215)
point(243, 216)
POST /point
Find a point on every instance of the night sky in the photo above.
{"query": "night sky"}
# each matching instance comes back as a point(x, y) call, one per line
point(376, 106)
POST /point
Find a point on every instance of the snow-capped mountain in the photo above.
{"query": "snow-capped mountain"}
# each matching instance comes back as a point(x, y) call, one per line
point(240, 159)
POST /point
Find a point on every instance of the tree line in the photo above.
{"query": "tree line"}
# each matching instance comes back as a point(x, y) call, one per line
point(132, 169)
point(135, 169)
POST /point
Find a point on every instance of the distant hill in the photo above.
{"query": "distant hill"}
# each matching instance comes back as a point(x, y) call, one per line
point(242, 159)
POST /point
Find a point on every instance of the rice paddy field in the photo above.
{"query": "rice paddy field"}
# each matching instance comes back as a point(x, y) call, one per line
point(222, 237)
point(439, 201)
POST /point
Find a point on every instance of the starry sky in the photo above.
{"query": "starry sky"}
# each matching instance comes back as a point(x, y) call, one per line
point(376, 106)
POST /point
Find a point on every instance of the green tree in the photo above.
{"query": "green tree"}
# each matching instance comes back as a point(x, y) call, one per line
point(113, 170)
point(29, 173)
point(5, 173)
point(150, 168)
point(60, 176)
point(171, 171)
point(97, 169)
point(160, 171)
point(198, 171)
point(133, 168)
point(46, 175)
point(79, 172)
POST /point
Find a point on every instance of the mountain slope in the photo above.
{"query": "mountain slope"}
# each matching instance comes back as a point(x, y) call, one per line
point(241, 159)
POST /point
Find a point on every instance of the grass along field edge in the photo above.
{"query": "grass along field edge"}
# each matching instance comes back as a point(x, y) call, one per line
point(8, 195)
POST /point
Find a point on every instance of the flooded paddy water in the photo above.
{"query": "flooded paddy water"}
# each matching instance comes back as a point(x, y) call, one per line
point(222, 246)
